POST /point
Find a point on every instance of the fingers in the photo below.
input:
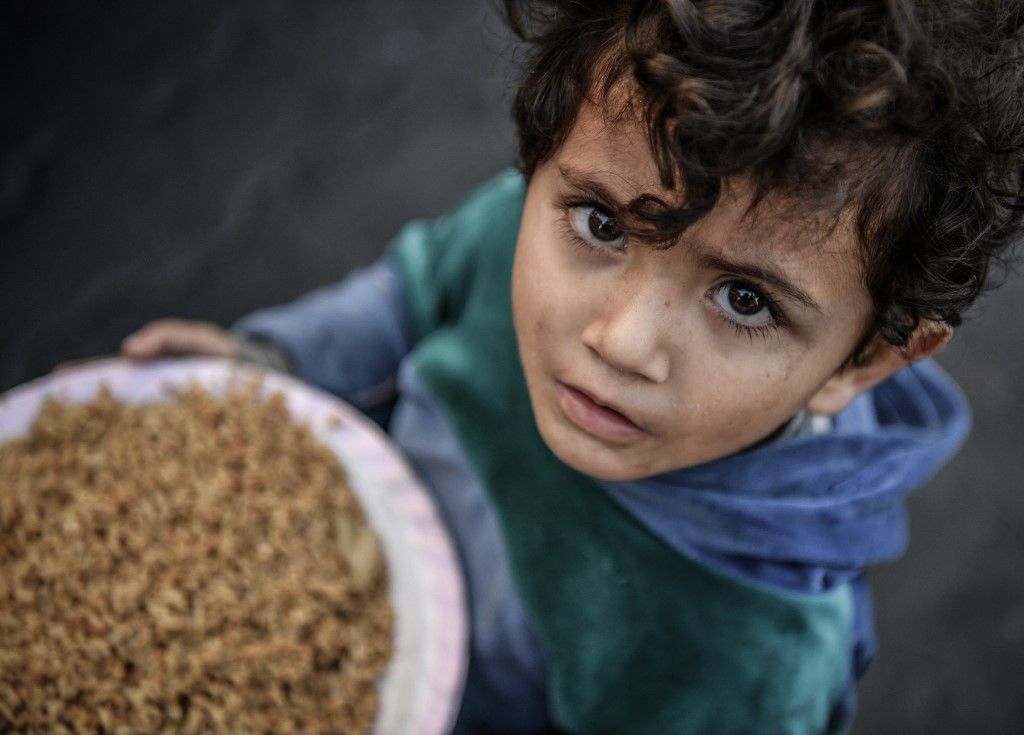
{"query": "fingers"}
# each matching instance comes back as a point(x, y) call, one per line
point(178, 337)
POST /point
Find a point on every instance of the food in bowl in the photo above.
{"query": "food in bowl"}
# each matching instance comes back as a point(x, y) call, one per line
point(191, 565)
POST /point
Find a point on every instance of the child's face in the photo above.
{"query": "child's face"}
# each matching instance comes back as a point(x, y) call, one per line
point(639, 361)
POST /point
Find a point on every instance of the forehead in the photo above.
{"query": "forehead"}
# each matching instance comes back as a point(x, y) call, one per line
point(816, 248)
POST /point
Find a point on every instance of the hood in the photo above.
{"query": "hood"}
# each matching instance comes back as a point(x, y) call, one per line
point(812, 511)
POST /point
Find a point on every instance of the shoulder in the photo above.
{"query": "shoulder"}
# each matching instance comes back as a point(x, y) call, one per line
point(489, 216)
point(441, 261)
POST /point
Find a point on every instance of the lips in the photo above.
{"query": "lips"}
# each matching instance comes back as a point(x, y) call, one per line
point(596, 417)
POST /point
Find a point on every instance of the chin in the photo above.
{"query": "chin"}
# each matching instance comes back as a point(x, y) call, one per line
point(591, 457)
point(616, 474)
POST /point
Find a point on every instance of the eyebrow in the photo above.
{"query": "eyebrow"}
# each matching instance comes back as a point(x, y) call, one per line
point(584, 183)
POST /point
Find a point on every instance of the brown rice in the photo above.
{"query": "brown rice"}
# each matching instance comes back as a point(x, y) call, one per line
point(188, 566)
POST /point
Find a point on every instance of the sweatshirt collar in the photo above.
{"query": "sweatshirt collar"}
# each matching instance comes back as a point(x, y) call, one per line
point(830, 499)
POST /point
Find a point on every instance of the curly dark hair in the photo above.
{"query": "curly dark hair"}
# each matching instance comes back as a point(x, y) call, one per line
point(909, 114)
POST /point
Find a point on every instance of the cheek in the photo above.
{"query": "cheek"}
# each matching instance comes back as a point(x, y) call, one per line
point(541, 294)
point(530, 295)
point(748, 396)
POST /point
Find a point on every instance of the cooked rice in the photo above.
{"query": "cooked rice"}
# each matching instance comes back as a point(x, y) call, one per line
point(198, 565)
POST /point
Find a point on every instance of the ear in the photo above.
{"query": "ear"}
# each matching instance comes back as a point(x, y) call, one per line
point(881, 360)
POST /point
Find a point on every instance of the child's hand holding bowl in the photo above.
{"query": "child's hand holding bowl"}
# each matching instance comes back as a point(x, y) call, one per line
point(163, 337)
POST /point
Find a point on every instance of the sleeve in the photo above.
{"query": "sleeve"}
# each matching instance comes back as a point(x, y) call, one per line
point(348, 338)
point(263, 354)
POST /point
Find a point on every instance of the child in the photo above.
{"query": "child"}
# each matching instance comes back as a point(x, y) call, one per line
point(658, 379)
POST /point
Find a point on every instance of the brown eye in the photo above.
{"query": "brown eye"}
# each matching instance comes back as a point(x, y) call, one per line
point(744, 300)
point(602, 226)
point(743, 304)
point(595, 227)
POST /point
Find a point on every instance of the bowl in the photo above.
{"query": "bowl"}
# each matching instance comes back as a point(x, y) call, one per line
point(422, 686)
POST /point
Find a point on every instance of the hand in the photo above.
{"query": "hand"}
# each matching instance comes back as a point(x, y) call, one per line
point(179, 337)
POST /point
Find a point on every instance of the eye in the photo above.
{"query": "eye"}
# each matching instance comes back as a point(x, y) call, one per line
point(597, 227)
point(743, 304)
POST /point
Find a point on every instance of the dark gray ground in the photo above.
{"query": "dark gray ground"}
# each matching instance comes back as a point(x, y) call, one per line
point(202, 159)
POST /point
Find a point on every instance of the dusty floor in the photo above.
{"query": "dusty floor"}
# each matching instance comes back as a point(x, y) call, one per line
point(202, 159)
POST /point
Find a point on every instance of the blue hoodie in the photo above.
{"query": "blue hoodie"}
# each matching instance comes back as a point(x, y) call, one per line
point(423, 341)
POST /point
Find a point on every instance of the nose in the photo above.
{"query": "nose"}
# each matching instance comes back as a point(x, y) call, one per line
point(627, 336)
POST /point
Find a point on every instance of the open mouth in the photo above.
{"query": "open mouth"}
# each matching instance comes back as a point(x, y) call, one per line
point(596, 418)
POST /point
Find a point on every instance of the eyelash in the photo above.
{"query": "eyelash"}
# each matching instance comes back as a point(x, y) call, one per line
point(764, 331)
